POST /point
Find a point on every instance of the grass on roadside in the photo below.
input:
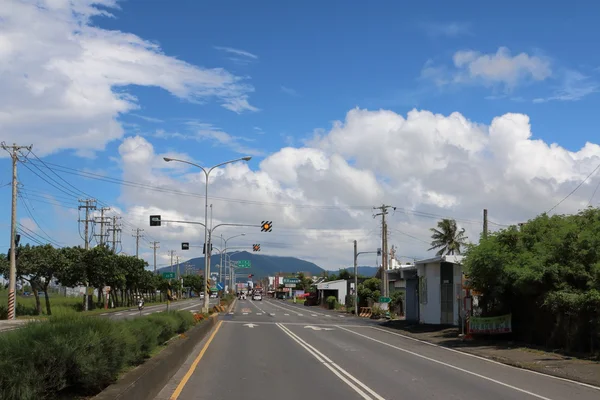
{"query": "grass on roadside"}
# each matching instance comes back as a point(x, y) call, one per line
point(80, 356)
point(60, 305)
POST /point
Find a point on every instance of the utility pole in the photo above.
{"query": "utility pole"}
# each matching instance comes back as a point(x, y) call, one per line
point(114, 229)
point(89, 205)
point(137, 237)
point(172, 254)
point(355, 278)
point(12, 277)
point(485, 223)
point(102, 220)
point(384, 255)
point(154, 247)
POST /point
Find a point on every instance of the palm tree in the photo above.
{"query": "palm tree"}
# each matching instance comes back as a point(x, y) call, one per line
point(447, 238)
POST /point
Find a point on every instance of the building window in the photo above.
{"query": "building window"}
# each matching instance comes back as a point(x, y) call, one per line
point(423, 289)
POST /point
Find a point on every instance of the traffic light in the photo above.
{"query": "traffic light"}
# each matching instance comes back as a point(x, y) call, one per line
point(266, 226)
point(378, 252)
point(256, 247)
point(204, 248)
point(155, 220)
point(185, 246)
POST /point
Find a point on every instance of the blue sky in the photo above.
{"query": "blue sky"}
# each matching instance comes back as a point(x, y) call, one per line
point(302, 65)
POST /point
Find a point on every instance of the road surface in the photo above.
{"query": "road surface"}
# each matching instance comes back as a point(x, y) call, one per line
point(192, 305)
point(274, 349)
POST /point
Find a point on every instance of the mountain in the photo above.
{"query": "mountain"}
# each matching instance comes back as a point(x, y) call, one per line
point(261, 265)
point(364, 271)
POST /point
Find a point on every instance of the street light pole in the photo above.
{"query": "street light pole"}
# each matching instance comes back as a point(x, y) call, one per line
point(355, 279)
point(206, 242)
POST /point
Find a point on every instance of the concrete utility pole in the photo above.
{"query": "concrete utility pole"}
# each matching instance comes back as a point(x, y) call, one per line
point(102, 220)
point(89, 205)
point(384, 255)
point(485, 223)
point(172, 254)
point(355, 278)
point(12, 276)
point(114, 229)
point(137, 237)
point(154, 247)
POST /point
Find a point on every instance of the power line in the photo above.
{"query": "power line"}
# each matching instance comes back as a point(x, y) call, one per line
point(574, 190)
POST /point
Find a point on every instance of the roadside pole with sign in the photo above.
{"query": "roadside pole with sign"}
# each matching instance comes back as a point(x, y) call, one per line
point(169, 276)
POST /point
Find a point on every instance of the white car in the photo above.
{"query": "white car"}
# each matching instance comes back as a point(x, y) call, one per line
point(257, 296)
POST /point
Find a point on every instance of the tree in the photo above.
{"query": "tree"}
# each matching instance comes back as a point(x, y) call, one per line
point(195, 282)
point(447, 238)
point(345, 274)
point(546, 275)
point(369, 289)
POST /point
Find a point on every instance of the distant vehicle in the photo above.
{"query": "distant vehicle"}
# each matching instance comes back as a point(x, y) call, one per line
point(213, 296)
point(257, 296)
point(242, 296)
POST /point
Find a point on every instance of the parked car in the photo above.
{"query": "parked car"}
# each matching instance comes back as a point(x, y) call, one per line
point(257, 296)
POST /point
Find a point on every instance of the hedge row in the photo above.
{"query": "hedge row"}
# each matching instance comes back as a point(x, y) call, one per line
point(79, 356)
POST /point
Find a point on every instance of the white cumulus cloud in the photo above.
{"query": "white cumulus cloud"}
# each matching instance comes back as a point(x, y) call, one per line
point(64, 82)
point(321, 196)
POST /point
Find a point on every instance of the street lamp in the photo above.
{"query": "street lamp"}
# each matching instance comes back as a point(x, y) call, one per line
point(224, 247)
point(206, 174)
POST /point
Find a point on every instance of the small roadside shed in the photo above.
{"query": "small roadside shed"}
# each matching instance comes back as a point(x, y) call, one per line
point(338, 288)
point(440, 289)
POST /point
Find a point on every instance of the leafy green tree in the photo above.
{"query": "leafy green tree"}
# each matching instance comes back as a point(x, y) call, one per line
point(369, 289)
point(547, 275)
point(447, 238)
point(195, 282)
point(345, 274)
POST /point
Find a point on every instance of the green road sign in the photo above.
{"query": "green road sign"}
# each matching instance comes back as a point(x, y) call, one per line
point(243, 264)
point(214, 289)
point(168, 275)
point(384, 299)
point(290, 280)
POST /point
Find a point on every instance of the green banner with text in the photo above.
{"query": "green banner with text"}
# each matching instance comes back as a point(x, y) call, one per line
point(491, 325)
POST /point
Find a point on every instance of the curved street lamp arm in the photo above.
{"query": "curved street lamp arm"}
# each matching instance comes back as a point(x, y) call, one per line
point(366, 252)
point(184, 222)
point(168, 159)
point(227, 162)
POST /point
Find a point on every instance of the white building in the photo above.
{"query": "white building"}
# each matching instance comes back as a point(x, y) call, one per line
point(337, 288)
point(440, 289)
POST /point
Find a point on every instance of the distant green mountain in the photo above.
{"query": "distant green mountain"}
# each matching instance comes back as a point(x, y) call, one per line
point(261, 265)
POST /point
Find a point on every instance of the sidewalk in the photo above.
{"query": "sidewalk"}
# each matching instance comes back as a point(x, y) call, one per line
point(577, 369)
point(9, 325)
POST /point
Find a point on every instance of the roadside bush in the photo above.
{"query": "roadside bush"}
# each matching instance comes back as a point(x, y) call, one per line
point(80, 355)
point(331, 302)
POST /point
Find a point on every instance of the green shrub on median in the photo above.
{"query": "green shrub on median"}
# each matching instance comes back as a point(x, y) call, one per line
point(79, 355)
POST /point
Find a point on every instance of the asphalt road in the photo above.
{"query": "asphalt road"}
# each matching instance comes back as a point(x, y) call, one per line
point(193, 305)
point(276, 349)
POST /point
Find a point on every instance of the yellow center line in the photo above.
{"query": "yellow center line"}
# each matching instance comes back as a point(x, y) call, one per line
point(189, 373)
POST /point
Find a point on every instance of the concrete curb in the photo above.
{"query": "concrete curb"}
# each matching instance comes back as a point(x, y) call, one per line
point(231, 306)
point(147, 380)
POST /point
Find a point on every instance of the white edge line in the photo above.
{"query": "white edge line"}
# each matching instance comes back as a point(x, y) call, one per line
point(448, 365)
point(284, 308)
point(326, 362)
point(486, 359)
point(314, 312)
point(368, 389)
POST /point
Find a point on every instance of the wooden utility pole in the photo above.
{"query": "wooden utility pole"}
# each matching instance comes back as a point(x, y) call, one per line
point(172, 254)
point(12, 275)
point(88, 205)
point(485, 223)
point(155, 246)
point(137, 237)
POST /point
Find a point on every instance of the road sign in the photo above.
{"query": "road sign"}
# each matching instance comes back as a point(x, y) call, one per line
point(243, 264)
point(384, 299)
point(290, 285)
point(291, 280)
point(213, 289)
point(220, 286)
point(256, 247)
point(185, 246)
point(155, 220)
point(168, 275)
